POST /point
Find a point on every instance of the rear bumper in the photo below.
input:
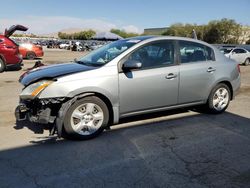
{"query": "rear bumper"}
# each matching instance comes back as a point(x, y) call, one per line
point(236, 86)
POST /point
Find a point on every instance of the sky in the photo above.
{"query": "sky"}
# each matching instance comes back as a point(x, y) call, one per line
point(48, 16)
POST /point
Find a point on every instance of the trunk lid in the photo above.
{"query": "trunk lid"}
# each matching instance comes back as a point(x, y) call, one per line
point(13, 28)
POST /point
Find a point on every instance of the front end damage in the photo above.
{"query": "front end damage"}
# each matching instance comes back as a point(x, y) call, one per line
point(50, 108)
point(42, 111)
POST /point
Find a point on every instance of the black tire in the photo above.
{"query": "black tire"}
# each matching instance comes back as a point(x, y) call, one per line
point(247, 62)
point(69, 130)
point(30, 55)
point(2, 65)
point(211, 108)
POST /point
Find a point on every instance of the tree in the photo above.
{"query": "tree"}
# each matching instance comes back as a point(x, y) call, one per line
point(223, 31)
point(248, 41)
point(182, 30)
point(217, 31)
point(123, 33)
point(82, 35)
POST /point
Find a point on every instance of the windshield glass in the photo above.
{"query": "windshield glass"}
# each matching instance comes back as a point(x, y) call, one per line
point(225, 50)
point(106, 53)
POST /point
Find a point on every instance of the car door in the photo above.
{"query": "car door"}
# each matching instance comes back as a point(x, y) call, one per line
point(155, 84)
point(239, 55)
point(197, 72)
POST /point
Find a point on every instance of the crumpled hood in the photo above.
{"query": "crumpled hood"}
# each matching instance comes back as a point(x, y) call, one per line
point(52, 71)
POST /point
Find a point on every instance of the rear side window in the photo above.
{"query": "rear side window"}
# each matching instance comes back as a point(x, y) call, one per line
point(239, 51)
point(194, 52)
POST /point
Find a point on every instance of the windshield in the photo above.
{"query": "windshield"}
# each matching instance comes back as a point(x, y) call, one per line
point(225, 50)
point(106, 53)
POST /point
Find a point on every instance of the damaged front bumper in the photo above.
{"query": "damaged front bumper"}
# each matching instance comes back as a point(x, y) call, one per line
point(44, 116)
point(42, 111)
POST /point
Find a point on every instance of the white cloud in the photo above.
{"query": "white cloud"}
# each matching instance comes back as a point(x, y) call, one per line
point(50, 24)
point(131, 29)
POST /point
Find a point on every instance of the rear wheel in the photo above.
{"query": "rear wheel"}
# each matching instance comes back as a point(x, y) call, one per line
point(30, 55)
point(247, 62)
point(86, 118)
point(219, 99)
point(2, 65)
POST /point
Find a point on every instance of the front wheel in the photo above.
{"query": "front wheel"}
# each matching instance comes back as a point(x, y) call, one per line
point(219, 99)
point(31, 55)
point(86, 118)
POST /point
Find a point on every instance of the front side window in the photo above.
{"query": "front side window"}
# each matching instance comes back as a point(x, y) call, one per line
point(194, 52)
point(153, 55)
point(106, 53)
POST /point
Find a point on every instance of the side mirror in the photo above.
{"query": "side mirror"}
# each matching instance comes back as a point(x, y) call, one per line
point(131, 64)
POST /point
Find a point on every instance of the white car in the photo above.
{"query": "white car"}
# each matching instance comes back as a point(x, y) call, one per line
point(64, 46)
point(240, 55)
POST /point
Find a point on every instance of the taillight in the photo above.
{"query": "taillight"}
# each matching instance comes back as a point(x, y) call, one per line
point(238, 66)
point(17, 51)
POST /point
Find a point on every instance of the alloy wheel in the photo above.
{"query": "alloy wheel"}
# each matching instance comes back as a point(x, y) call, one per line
point(220, 99)
point(87, 118)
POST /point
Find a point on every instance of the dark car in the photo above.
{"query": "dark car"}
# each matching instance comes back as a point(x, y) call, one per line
point(9, 52)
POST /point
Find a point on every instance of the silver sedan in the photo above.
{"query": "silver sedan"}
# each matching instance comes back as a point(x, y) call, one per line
point(125, 78)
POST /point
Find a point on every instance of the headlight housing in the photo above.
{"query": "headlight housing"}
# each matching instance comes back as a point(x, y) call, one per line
point(34, 89)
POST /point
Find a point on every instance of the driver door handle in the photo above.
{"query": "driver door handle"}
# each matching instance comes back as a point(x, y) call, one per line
point(171, 76)
point(211, 69)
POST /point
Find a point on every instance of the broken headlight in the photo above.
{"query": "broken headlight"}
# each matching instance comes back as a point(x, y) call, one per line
point(34, 89)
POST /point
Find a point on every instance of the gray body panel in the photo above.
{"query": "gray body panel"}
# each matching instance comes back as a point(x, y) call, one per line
point(148, 89)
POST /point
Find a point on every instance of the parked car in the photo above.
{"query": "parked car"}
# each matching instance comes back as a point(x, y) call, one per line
point(31, 51)
point(9, 53)
point(64, 45)
point(125, 78)
point(226, 50)
point(241, 55)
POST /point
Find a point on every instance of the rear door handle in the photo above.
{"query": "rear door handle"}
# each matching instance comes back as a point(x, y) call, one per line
point(171, 76)
point(211, 69)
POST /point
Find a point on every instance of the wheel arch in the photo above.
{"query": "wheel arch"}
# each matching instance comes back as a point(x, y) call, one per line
point(29, 52)
point(4, 61)
point(226, 82)
point(104, 98)
point(248, 58)
point(66, 105)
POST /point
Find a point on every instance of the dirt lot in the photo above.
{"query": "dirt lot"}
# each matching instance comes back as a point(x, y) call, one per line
point(173, 149)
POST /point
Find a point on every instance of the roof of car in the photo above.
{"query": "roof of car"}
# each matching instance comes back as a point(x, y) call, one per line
point(159, 37)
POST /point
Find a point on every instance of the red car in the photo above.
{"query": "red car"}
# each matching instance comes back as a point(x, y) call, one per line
point(9, 52)
point(30, 51)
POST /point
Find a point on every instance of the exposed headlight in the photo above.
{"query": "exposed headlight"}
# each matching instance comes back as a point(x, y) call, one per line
point(34, 89)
